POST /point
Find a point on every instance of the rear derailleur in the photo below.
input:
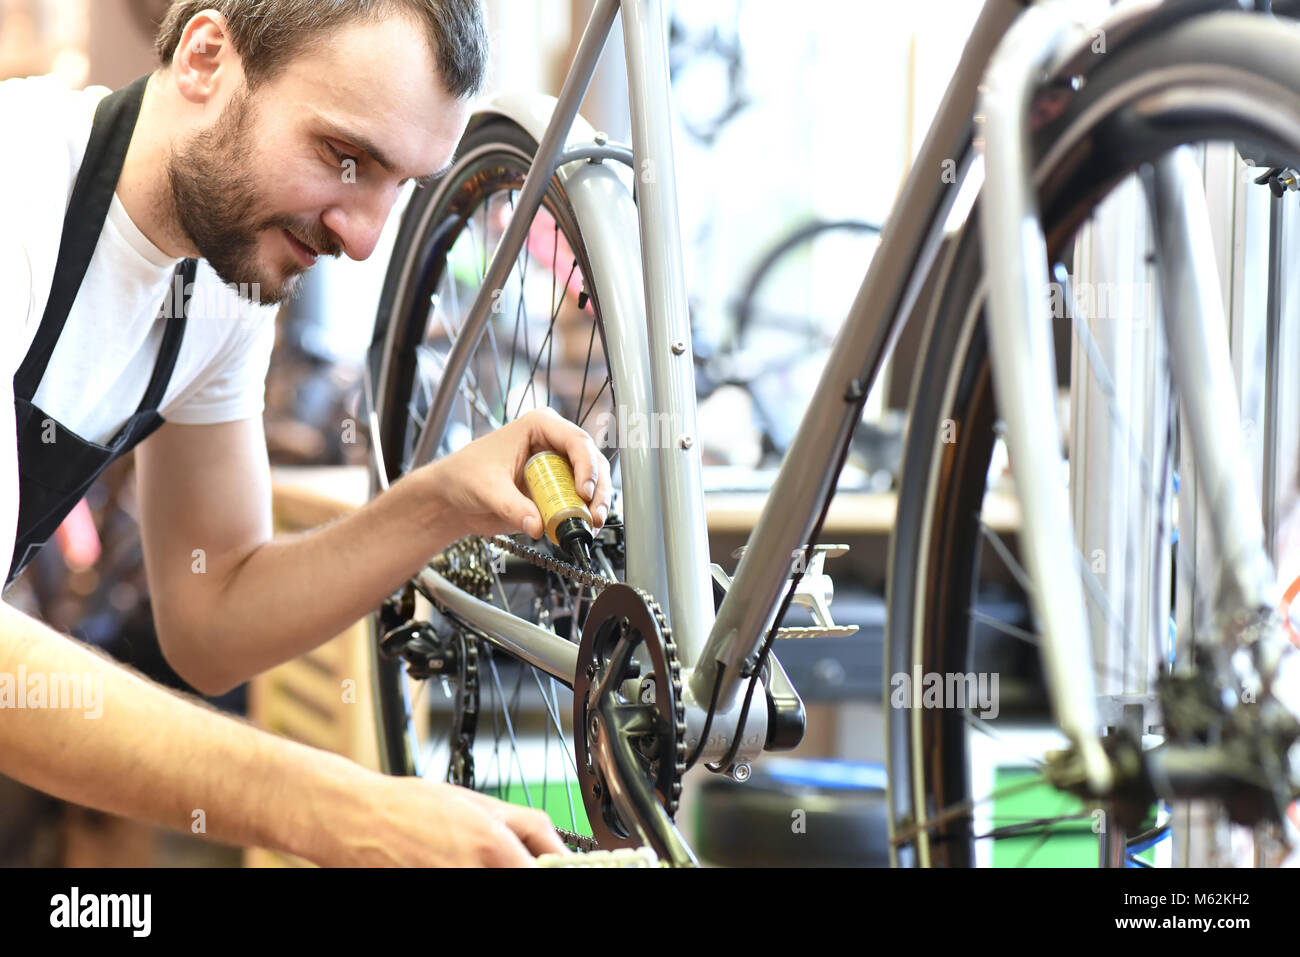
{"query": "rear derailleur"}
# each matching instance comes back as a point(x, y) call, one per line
point(439, 649)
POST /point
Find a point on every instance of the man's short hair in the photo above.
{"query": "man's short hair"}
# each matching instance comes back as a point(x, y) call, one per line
point(268, 34)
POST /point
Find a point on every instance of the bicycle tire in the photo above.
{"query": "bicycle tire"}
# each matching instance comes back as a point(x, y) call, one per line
point(934, 551)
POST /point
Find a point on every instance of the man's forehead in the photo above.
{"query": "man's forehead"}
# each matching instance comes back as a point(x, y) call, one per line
point(377, 88)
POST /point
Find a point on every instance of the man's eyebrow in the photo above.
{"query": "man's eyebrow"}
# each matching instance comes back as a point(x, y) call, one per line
point(364, 143)
point(423, 181)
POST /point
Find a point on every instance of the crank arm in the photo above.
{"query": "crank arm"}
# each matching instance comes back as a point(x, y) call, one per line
point(629, 789)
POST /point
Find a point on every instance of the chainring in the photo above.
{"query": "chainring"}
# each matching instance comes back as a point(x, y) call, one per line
point(626, 610)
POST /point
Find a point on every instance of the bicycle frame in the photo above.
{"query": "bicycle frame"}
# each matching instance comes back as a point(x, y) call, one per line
point(669, 480)
point(909, 243)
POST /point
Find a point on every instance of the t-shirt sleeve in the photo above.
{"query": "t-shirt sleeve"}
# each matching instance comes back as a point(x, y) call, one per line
point(234, 386)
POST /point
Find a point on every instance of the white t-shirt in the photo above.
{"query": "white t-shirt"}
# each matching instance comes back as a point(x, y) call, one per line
point(108, 348)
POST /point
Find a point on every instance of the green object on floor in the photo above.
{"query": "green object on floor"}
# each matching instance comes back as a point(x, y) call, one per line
point(550, 799)
point(1066, 843)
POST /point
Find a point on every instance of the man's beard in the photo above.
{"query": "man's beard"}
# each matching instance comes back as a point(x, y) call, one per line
point(216, 203)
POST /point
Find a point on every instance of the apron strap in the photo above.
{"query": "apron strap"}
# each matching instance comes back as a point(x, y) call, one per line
point(115, 119)
point(171, 344)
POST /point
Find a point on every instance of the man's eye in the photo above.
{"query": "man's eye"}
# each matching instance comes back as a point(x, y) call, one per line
point(340, 156)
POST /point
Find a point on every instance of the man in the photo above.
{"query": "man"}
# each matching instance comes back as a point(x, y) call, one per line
point(273, 132)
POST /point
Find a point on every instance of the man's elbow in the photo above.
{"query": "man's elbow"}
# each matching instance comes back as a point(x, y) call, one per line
point(191, 657)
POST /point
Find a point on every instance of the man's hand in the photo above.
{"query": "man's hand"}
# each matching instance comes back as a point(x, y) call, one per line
point(482, 484)
point(416, 823)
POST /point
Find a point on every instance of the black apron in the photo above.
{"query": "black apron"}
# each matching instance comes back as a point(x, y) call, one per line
point(55, 465)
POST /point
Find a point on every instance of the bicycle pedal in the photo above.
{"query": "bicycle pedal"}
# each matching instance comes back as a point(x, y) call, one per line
point(815, 631)
point(814, 592)
point(618, 857)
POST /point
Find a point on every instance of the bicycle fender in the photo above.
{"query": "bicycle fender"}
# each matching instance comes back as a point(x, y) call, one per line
point(607, 217)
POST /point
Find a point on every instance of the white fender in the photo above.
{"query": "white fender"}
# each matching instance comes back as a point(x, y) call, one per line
point(607, 219)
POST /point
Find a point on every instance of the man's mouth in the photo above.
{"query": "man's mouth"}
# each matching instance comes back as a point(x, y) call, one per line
point(306, 255)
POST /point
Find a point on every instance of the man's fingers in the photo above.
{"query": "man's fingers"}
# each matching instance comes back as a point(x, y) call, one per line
point(535, 829)
point(521, 510)
point(507, 849)
point(531, 831)
point(590, 468)
point(604, 498)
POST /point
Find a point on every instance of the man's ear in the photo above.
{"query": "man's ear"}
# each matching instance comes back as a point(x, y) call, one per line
point(205, 58)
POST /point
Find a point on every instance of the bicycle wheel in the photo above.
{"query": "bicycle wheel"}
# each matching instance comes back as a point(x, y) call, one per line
point(448, 705)
point(1127, 113)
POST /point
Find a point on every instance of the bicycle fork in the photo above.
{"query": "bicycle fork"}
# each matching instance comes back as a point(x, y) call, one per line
point(1021, 350)
point(1196, 335)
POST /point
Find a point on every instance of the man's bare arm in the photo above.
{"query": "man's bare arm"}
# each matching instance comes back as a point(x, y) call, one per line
point(160, 758)
point(228, 601)
point(231, 602)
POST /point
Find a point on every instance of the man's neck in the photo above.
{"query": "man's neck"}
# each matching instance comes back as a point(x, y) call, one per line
point(143, 188)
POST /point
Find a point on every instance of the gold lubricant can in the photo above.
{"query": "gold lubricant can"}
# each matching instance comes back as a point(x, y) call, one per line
point(564, 513)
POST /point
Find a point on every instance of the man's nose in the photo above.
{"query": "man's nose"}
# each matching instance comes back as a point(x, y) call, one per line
point(359, 220)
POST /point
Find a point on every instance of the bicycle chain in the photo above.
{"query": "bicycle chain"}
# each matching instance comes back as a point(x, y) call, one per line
point(600, 582)
point(553, 564)
point(574, 839)
point(461, 766)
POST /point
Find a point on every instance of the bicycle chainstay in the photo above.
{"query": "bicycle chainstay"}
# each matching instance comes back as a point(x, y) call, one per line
point(598, 583)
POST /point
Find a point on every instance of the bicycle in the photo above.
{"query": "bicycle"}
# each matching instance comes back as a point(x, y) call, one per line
point(634, 670)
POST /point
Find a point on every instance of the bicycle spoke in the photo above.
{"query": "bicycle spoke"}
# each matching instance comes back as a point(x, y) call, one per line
point(1030, 638)
point(1008, 560)
point(1105, 381)
point(553, 713)
point(510, 729)
point(568, 786)
point(555, 251)
point(546, 746)
point(532, 372)
point(532, 377)
point(1031, 826)
point(1021, 576)
point(586, 368)
point(962, 809)
point(471, 400)
point(986, 729)
point(483, 262)
point(1038, 846)
point(1005, 628)
point(582, 420)
point(429, 751)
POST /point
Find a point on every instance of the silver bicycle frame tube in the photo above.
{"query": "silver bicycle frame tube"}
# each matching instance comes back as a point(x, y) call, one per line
point(1200, 358)
point(1021, 350)
point(523, 639)
point(909, 242)
point(672, 371)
